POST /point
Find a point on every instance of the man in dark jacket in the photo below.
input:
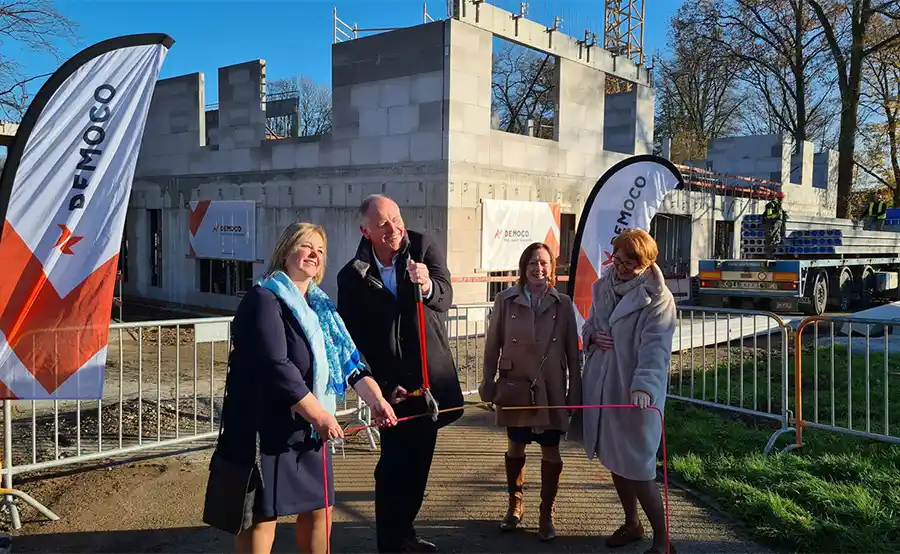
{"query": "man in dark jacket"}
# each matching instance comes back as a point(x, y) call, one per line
point(377, 300)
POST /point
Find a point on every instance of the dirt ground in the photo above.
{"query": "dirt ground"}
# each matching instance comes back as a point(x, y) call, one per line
point(155, 505)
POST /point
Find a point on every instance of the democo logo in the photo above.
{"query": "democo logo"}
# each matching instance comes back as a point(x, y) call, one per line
point(228, 229)
point(513, 234)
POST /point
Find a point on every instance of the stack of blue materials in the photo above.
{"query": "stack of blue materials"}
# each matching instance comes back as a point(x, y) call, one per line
point(810, 236)
point(893, 216)
point(753, 237)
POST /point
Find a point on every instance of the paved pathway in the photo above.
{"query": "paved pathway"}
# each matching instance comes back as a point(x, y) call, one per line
point(155, 505)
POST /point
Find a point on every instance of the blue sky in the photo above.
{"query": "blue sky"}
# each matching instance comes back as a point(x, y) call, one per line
point(293, 36)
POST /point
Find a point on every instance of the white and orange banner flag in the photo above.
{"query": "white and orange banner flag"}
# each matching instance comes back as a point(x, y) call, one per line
point(63, 195)
point(627, 196)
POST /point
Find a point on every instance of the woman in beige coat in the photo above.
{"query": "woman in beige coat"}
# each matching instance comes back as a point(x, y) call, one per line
point(628, 342)
point(533, 342)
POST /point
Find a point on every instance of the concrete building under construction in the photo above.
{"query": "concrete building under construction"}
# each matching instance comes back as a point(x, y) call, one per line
point(412, 118)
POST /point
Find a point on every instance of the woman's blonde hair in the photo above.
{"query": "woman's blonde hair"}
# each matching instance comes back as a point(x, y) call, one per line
point(293, 235)
point(638, 245)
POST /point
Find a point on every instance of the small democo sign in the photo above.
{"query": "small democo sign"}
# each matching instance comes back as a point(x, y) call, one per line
point(508, 226)
point(223, 229)
point(228, 229)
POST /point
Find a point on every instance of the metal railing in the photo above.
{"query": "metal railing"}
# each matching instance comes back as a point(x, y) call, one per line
point(163, 387)
point(164, 383)
point(734, 360)
point(845, 384)
point(343, 32)
point(466, 327)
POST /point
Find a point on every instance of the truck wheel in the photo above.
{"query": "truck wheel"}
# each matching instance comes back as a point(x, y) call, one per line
point(843, 291)
point(866, 288)
point(817, 292)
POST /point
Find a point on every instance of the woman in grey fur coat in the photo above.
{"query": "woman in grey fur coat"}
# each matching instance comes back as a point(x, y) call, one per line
point(628, 342)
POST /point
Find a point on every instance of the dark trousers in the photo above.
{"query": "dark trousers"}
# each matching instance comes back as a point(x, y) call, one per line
point(773, 229)
point(400, 479)
point(876, 224)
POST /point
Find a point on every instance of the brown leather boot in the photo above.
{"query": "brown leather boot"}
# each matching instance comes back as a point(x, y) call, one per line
point(550, 474)
point(515, 484)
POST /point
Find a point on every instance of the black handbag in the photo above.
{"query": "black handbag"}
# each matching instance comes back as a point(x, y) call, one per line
point(231, 487)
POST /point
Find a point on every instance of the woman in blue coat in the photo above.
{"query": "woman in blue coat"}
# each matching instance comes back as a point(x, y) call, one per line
point(291, 359)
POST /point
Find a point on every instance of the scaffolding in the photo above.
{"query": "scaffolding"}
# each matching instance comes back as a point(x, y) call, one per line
point(344, 31)
point(728, 185)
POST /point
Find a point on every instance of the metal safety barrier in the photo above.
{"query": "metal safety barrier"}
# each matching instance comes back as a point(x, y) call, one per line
point(845, 376)
point(163, 387)
point(466, 327)
point(733, 360)
point(164, 384)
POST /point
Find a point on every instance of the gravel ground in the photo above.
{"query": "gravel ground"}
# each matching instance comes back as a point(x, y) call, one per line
point(155, 505)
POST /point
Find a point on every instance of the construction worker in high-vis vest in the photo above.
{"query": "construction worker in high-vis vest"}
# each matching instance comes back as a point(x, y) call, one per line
point(876, 212)
point(774, 222)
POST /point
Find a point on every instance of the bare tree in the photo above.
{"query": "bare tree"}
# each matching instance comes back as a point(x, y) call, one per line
point(755, 116)
point(697, 96)
point(523, 89)
point(849, 55)
point(313, 115)
point(784, 58)
point(34, 25)
point(881, 95)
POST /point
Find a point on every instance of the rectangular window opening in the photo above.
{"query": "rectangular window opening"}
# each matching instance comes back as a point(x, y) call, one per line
point(524, 90)
point(672, 234)
point(225, 277)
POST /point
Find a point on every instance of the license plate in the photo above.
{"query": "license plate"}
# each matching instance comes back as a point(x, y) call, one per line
point(784, 304)
point(746, 285)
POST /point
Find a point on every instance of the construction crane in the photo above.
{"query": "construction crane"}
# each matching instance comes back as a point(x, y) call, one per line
point(623, 30)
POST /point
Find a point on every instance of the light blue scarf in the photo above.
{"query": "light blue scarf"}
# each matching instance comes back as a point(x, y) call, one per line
point(334, 355)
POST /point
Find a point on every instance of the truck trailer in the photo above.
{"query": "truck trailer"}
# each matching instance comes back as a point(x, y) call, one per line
point(822, 264)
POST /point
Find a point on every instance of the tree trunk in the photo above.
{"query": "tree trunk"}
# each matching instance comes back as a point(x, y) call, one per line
point(846, 166)
point(850, 93)
point(895, 155)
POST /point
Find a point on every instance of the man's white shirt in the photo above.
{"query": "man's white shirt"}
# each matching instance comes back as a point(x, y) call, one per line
point(389, 276)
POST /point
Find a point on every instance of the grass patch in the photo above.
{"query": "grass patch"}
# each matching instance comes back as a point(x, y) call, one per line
point(837, 494)
point(852, 390)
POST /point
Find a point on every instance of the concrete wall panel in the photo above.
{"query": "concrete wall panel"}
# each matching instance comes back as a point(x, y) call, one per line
point(535, 35)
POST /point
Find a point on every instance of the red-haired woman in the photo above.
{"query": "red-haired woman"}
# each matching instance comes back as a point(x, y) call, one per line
point(628, 342)
point(532, 341)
